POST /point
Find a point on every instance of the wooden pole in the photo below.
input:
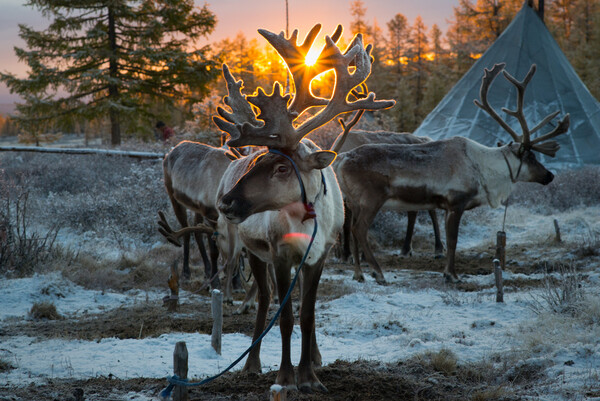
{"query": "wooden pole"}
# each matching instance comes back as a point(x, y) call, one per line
point(278, 393)
point(498, 278)
point(217, 315)
point(557, 231)
point(501, 248)
point(500, 264)
point(84, 151)
point(180, 368)
point(173, 300)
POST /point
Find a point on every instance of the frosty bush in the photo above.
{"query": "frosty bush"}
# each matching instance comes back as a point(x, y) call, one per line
point(111, 196)
point(561, 294)
point(22, 248)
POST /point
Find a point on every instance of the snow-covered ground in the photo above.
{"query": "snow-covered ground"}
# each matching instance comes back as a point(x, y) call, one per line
point(371, 322)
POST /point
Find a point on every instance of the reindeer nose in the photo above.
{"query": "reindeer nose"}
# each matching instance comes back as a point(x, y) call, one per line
point(548, 178)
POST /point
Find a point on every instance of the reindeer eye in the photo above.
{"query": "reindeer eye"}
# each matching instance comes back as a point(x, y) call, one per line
point(282, 169)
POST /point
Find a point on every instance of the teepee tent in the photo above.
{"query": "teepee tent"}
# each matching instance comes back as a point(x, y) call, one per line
point(555, 86)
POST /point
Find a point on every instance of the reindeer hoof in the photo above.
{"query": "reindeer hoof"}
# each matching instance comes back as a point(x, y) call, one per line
point(379, 278)
point(450, 279)
point(360, 278)
point(311, 388)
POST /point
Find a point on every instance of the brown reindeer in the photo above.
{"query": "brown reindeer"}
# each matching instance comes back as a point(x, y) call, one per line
point(261, 194)
point(456, 174)
point(192, 172)
point(358, 138)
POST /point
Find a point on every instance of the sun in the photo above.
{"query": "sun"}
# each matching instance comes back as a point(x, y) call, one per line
point(311, 56)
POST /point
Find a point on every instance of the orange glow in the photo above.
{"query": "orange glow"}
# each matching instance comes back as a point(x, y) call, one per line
point(311, 57)
point(295, 236)
point(429, 56)
point(475, 56)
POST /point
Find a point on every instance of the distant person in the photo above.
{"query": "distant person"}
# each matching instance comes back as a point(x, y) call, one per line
point(163, 132)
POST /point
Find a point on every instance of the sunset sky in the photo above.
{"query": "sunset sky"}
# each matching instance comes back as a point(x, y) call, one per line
point(242, 16)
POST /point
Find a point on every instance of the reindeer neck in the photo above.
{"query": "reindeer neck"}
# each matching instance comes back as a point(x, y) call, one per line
point(495, 175)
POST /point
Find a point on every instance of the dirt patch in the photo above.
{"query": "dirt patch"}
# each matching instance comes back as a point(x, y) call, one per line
point(346, 381)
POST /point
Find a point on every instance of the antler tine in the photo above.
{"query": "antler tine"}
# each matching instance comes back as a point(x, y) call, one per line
point(173, 236)
point(241, 111)
point(548, 148)
point(295, 59)
point(344, 83)
point(486, 82)
point(561, 128)
point(518, 113)
point(337, 145)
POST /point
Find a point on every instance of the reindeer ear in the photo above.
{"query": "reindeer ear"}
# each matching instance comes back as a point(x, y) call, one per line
point(321, 159)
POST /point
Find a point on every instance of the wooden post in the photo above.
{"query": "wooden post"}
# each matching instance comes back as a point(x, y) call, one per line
point(172, 300)
point(501, 248)
point(217, 315)
point(278, 393)
point(499, 284)
point(180, 368)
point(557, 230)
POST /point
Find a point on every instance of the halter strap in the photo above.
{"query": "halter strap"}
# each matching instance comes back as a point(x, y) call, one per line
point(513, 178)
point(308, 206)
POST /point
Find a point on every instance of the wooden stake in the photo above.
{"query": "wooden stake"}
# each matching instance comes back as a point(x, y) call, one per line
point(180, 368)
point(278, 393)
point(173, 300)
point(499, 284)
point(501, 248)
point(217, 315)
point(557, 230)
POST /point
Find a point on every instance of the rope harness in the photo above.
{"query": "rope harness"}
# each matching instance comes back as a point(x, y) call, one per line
point(310, 214)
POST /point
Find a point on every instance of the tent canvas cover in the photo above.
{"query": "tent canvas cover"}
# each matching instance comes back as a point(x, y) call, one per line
point(555, 86)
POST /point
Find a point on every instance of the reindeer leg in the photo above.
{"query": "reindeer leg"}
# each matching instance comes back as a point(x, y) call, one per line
point(214, 257)
point(182, 218)
point(360, 231)
point(410, 228)
point(248, 302)
point(307, 378)
point(346, 234)
point(259, 270)
point(285, 376)
point(439, 247)
point(236, 279)
point(198, 218)
point(452, 223)
point(358, 274)
point(273, 278)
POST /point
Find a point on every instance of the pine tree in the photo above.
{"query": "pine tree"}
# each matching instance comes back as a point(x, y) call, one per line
point(115, 59)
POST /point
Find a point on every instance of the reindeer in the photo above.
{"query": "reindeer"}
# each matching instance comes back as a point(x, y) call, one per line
point(357, 138)
point(456, 174)
point(272, 197)
point(192, 172)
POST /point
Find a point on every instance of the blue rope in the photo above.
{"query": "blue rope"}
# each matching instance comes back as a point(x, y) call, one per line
point(177, 381)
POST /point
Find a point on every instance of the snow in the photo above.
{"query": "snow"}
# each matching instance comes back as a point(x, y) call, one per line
point(370, 322)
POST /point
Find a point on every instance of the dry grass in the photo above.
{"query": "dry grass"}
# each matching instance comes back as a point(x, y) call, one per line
point(44, 311)
point(5, 366)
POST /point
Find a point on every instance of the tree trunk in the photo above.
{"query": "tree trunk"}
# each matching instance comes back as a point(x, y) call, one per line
point(113, 89)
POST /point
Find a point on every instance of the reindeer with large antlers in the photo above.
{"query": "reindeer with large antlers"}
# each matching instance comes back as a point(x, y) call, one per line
point(272, 197)
point(456, 174)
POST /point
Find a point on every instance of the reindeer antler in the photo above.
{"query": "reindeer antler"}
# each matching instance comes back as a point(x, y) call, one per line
point(241, 111)
point(277, 129)
point(295, 59)
point(173, 236)
point(548, 147)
